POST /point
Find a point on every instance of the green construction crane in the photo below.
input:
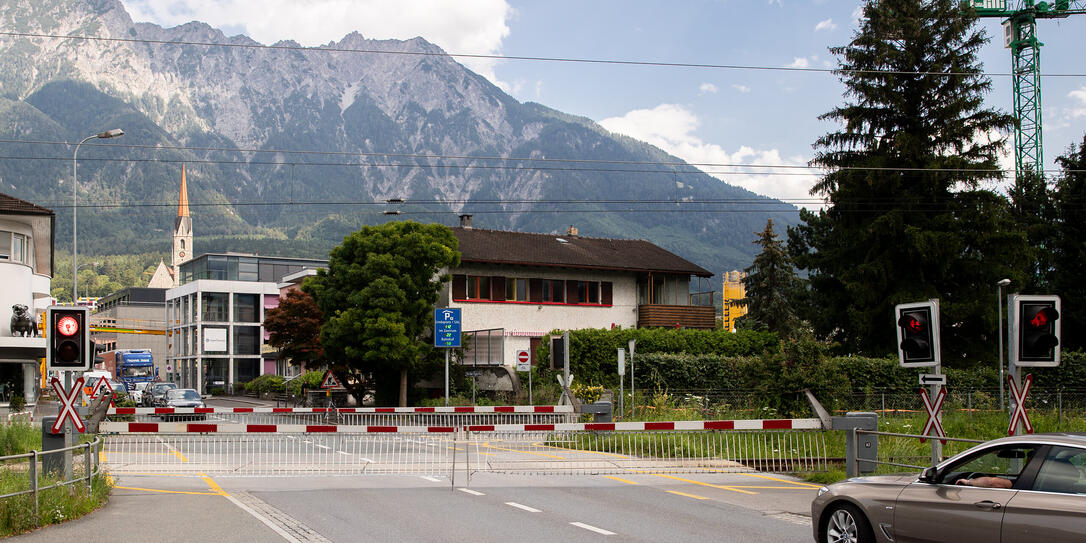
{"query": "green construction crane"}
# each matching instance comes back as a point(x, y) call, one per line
point(1020, 36)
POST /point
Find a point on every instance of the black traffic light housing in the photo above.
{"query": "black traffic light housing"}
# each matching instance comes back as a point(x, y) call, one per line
point(1035, 330)
point(68, 346)
point(918, 333)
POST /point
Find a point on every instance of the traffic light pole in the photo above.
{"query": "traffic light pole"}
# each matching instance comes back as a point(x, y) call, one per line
point(69, 432)
point(936, 445)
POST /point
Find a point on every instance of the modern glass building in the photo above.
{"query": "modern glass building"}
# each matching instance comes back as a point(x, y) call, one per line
point(215, 318)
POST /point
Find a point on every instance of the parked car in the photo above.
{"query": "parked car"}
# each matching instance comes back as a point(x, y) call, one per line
point(137, 392)
point(156, 392)
point(182, 397)
point(1022, 488)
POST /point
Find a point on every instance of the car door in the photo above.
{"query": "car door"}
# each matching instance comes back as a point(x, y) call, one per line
point(1053, 509)
point(945, 511)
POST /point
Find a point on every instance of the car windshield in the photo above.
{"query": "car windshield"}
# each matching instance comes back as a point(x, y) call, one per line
point(183, 394)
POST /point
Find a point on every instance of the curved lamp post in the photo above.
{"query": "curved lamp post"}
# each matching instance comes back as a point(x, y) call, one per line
point(115, 133)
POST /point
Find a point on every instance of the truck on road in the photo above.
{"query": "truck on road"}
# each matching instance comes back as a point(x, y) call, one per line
point(130, 366)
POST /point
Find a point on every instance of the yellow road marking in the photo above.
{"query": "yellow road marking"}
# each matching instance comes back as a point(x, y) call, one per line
point(542, 446)
point(213, 485)
point(621, 480)
point(179, 455)
point(693, 482)
point(696, 497)
point(146, 474)
point(169, 491)
point(779, 480)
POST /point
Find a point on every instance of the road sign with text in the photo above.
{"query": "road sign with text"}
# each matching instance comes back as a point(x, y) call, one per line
point(447, 327)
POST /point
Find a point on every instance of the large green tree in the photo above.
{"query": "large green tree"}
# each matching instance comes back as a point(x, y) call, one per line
point(378, 295)
point(905, 220)
point(772, 288)
point(1069, 248)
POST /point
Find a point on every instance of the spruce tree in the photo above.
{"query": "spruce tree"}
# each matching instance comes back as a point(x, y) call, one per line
point(1069, 247)
point(905, 220)
point(771, 288)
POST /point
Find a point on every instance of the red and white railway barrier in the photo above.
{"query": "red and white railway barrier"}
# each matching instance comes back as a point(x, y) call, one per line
point(228, 428)
point(357, 410)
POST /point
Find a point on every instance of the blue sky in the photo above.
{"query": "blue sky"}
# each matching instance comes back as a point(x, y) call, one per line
point(702, 115)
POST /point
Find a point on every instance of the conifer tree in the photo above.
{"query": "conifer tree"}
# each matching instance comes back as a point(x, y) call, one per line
point(771, 288)
point(1069, 247)
point(905, 220)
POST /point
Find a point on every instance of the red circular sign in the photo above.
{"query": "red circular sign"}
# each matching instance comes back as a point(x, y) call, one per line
point(522, 356)
point(67, 326)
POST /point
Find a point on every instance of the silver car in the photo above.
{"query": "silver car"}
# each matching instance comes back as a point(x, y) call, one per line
point(1013, 489)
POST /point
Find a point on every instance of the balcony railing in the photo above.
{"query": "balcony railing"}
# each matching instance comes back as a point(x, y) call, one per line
point(676, 316)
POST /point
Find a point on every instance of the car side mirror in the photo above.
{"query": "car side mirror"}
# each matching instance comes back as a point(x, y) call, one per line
point(929, 475)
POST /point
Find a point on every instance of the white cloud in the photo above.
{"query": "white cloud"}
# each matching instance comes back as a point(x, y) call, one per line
point(828, 24)
point(476, 27)
point(671, 127)
point(800, 62)
point(741, 88)
point(1078, 110)
point(708, 88)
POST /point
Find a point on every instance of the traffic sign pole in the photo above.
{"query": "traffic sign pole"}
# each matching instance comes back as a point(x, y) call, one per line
point(447, 336)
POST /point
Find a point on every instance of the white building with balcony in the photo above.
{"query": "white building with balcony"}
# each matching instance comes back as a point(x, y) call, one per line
point(26, 272)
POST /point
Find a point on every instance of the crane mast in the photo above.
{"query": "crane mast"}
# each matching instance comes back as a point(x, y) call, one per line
point(1020, 36)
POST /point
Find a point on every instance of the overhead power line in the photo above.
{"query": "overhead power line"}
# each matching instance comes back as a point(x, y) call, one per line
point(325, 49)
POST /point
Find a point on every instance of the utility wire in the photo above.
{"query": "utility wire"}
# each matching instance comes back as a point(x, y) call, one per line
point(325, 49)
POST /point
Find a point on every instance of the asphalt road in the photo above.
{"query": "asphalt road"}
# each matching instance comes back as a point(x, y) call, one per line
point(633, 507)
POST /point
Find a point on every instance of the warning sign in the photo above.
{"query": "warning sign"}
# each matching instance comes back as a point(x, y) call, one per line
point(330, 381)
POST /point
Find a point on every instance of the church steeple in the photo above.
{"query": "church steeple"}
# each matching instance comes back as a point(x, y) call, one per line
point(182, 235)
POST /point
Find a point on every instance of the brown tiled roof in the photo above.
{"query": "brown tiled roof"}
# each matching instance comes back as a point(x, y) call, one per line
point(12, 205)
point(522, 248)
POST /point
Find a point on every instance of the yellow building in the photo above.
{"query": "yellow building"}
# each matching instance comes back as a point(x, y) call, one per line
point(734, 290)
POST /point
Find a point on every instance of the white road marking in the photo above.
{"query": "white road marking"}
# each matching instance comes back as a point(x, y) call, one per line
point(343, 452)
point(524, 507)
point(322, 446)
point(592, 528)
point(432, 479)
point(470, 491)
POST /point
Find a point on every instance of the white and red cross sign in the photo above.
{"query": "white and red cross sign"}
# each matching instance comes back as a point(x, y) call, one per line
point(933, 409)
point(1020, 412)
point(67, 405)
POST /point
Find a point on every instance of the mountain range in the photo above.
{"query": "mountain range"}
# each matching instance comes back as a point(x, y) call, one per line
point(289, 148)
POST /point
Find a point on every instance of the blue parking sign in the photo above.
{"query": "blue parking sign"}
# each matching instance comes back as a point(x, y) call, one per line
point(447, 327)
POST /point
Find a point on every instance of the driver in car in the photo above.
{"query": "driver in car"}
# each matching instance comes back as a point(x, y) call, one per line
point(986, 482)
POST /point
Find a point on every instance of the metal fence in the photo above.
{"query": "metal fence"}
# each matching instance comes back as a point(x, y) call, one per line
point(38, 471)
point(352, 416)
point(446, 453)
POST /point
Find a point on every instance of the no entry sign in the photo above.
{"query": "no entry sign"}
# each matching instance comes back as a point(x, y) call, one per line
point(524, 361)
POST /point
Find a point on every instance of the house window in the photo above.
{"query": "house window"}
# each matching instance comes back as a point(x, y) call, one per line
point(245, 308)
point(516, 289)
point(5, 245)
point(18, 248)
point(554, 291)
point(478, 287)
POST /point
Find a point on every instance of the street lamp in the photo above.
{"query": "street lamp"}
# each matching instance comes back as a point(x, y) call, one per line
point(87, 265)
point(999, 298)
point(115, 133)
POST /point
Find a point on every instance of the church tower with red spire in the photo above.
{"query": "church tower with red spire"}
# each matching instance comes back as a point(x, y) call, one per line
point(182, 234)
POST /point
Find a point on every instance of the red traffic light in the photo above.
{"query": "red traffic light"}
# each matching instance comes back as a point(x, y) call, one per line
point(67, 326)
point(912, 322)
point(1044, 317)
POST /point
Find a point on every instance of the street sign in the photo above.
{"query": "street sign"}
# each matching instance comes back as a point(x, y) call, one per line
point(524, 361)
point(473, 373)
point(621, 362)
point(447, 327)
point(933, 379)
point(103, 384)
point(1020, 412)
point(330, 381)
point(67, 405)
point(933, 423)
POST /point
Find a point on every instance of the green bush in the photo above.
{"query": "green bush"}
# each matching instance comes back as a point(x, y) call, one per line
point(17, 404)
point(592, 352)
point(19, 438)
point(311, 380)
point(266, 384)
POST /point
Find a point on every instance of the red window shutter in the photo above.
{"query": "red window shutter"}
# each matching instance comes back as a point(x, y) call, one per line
point(459, 287)
point(497, 288)
point(605, 293)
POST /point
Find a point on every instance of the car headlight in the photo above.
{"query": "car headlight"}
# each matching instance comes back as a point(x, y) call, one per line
point(823, 490)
